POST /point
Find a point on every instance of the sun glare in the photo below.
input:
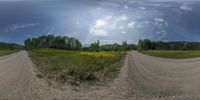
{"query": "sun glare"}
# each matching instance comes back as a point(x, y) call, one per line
point(100, 23)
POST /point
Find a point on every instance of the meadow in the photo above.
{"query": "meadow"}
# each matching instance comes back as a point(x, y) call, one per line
point(76, 67)
point(177, 54)
point(7, 52)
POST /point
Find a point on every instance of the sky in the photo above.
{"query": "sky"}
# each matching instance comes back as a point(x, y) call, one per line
point(110, 21)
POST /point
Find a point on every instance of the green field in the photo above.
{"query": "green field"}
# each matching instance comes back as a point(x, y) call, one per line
point(173, 53)
point(7, 52)
point(75, 66)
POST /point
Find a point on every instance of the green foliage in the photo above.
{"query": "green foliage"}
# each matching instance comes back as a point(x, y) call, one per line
point(144, 44)
point(95, 47)
point(171, 45)
point(10, 46)
point(173, 53)
point(7, 52)
point(51, 41)
point(74, 66)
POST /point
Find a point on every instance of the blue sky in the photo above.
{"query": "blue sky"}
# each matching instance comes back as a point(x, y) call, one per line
point(109, 21)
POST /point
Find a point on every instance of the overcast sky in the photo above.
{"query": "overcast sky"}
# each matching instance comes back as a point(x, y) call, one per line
point(109, 21)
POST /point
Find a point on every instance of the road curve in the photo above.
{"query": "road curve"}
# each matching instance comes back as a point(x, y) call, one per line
point(168, 79)
point(16, 76)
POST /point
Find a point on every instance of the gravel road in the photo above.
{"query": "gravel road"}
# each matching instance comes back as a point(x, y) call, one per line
point(17, 78)
point(168, 79)
point(142, 77)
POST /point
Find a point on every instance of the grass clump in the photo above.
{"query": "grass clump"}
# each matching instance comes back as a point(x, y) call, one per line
point(177, 54)
point(7, 52)
point(75, 66)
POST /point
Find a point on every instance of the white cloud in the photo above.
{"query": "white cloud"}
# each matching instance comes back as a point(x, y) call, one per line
point(123, 17)
point(98, 32)
point(154, 4)
point(100, 26)
point(131, 24)
point(121, 27)
point(108, 17)
point(124, 32)
point(103, 26)
point(77, 22)
point(142, 8)
point(159, 20)
point(147, 22)
point(109, 4)
point(100, 23)
point(98, 8)
point(15, 27)
point(125, 7)
point(185, 7)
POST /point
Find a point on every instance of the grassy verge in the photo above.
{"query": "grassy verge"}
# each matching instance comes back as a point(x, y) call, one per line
point(75, 66)
point(173, 53)
point(7, 52)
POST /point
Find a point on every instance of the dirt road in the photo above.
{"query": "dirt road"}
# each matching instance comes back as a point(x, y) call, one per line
point(17, 78)
point(168, 79)
point(142, 78)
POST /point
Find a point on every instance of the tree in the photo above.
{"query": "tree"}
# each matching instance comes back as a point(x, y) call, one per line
point(51, 41)
point(171, 45)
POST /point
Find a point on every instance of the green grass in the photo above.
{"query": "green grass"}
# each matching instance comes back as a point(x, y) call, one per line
point(177, 54)
point(75, 66)
point(7, 52)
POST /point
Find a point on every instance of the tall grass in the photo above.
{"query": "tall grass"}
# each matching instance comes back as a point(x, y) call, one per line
point(75, 66)
point(7, 52)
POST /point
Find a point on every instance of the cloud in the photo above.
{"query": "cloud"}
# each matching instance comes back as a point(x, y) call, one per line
point(121, 27)
point(103, 26)
point(98, 8)
point(108, 17)
point(142, 8)
point(123, 17)
point(100, 26)
point(159, 28)
point(125, 7)
point(124, 32)
point(98, 32)
point(131, 24)
point(154, 4)
point(159, 20)
point(109, 4)
point(15, 27)
point(77, 22)
point(185, 7)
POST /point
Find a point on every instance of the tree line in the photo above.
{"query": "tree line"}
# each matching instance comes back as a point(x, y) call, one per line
point(170, 45)
point(51, 41)
point(110, 47)
point(10, 46)
point(71, 43)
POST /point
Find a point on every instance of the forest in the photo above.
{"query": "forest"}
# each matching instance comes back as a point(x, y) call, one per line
point(110, 47)
point(71, 43)
point(147, 44)
point(51, 41)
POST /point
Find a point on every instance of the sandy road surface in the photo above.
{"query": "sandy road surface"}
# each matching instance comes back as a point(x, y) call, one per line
point(167, 79)
point(16, 77)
